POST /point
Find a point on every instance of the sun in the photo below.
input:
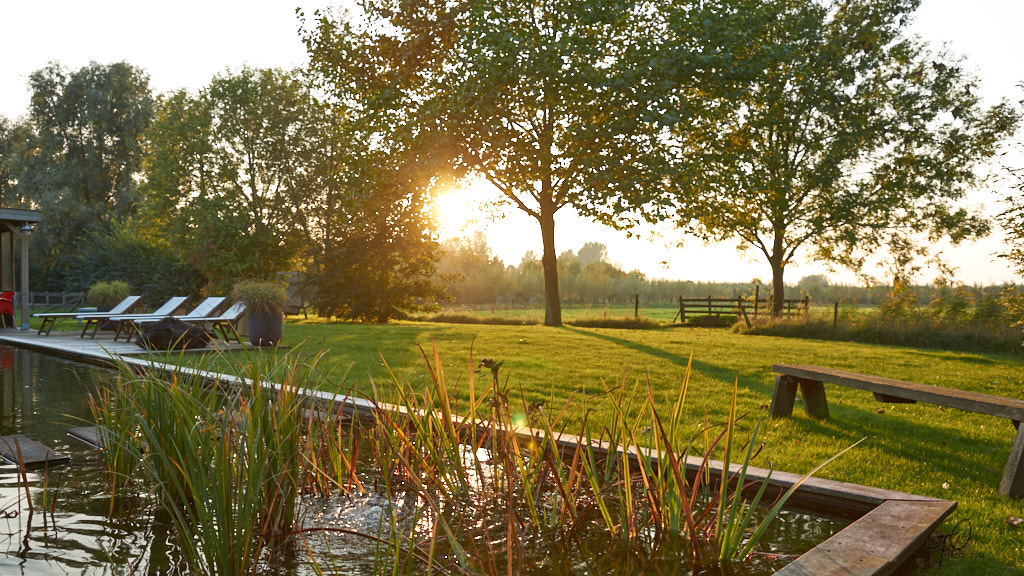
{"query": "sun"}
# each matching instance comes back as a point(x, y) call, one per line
point(458, 211)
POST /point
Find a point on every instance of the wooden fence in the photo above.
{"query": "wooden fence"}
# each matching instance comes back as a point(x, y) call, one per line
point(49, 301)
point(747, 308)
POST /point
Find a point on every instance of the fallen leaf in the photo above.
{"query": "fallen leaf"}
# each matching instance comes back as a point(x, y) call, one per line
point(1014, 521)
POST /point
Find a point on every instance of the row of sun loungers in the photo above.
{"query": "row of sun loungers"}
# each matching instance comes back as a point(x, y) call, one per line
point(50, 318)
point(123, 322)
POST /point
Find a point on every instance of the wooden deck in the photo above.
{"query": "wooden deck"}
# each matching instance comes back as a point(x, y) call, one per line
point(102, 349)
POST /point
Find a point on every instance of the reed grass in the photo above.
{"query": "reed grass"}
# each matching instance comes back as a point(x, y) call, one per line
point(229, 463)
point(222, 461)
point(630, 476)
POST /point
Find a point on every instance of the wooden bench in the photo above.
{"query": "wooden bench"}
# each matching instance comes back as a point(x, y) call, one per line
point(811, 379)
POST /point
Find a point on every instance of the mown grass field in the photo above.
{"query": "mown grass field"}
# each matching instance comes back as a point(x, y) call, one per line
point(662, 314)
point(916, 448)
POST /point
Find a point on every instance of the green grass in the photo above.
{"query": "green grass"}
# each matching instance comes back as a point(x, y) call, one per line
point(916, 448)
point(570, 313)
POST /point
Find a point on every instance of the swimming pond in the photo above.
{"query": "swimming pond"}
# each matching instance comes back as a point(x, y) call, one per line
point(70, 527)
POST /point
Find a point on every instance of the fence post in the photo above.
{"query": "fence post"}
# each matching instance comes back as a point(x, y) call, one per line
point(709, 305)
point(835, 318)
point(739, 302)
point(636, 307)
point(682, 311)
point(757, 296)
point(807, 306)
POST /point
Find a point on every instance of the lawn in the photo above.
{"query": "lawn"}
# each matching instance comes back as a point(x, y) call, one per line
point(916, 448)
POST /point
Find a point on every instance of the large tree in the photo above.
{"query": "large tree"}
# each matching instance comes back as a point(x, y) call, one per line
point(84, 172)
point(1012, 217)
point(18, 144)
point(549, 101)
point(376, 259)
point(852, 137)
point(230, 168)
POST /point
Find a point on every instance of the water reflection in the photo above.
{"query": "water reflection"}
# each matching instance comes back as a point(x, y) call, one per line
point(53, 521)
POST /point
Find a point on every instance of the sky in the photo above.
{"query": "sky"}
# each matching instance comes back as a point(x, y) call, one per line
point(185, 43)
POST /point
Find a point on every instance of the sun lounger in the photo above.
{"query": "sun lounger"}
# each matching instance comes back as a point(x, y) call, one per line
point(200, 313)
point(50, 318)
point(125, 323)
point(226, 324)
point(93, 321)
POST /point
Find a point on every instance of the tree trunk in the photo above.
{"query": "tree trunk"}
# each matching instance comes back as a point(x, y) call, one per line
point(778, 268)
point(778, 288)
point(549, 260)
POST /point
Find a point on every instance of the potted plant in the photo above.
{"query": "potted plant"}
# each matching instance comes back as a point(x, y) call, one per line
point(106, 295)
point(264, 303)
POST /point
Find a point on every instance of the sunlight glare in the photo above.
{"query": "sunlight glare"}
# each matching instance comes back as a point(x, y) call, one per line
point(459, 210)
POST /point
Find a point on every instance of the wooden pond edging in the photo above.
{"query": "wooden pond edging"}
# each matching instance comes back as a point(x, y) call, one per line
point(893, 525)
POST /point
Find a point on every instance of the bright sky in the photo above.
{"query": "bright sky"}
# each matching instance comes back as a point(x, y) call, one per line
point(185, 43)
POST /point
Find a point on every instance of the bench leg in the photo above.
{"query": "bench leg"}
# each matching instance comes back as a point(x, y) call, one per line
point(815, 404)
point(1013, 477)
point(783, 397)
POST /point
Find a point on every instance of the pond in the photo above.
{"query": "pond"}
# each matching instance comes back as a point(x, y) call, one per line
point(69, 525)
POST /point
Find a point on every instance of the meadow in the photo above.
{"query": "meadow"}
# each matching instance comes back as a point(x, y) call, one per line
point(915, 448)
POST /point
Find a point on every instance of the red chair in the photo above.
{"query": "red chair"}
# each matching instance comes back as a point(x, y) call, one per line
point(7, 309)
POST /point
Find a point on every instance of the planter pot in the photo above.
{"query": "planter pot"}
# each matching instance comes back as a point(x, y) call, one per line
point(265, 329)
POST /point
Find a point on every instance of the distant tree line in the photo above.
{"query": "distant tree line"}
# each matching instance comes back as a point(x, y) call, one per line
point(475, 277)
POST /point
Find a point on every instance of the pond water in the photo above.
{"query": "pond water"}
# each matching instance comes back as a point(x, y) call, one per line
point(67, 527)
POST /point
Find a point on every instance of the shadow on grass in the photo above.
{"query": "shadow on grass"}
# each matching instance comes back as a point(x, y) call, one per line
point(711, 370)
point(949, 450)
point(360, 350)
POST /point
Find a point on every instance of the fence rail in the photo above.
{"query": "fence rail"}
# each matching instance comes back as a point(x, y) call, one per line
point(49, 301)
point(740, 306)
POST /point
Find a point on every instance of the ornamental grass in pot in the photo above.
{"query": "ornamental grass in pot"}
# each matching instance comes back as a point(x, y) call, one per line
point(106, 295)
point(264, 303)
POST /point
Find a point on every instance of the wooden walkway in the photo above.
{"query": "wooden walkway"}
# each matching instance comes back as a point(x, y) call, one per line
point(102, 349)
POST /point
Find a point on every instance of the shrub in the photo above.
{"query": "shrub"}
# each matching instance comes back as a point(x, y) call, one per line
point(157, 271)
point(107, 294)
point(625, 323)
point(711, 320)
point(467, 319)
point(912, 328)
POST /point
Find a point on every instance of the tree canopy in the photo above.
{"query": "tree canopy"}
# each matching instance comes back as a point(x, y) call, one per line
point(849, 137)
point(81, 167)
point(230, 168)
point(547, 100)
point(1012, 216)
point(373, 257)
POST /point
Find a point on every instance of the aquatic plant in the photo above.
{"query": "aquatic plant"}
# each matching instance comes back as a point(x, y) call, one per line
point(229, 464)
point(221, 458)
